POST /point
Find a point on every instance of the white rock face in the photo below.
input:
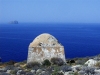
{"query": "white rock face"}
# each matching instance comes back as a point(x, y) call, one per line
point(91, 62)
point(45, 46)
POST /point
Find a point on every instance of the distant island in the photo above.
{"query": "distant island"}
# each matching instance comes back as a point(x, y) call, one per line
point(14, 22)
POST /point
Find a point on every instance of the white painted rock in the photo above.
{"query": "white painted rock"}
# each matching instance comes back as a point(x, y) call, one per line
point(91, 62)
point(45, 46)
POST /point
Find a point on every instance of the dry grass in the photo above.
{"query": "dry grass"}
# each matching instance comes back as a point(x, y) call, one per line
point(98, 64)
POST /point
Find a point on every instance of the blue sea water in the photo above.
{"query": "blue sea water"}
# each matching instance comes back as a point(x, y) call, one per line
point(79, 40)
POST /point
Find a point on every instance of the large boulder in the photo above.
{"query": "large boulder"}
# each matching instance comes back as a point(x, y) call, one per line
point(91, 62)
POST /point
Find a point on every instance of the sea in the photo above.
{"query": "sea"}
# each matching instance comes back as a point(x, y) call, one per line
point(78, 39)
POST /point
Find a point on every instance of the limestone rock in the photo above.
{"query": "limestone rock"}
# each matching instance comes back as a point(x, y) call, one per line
point(45, 46)
point(33, 71)
point(8, 71)
point(91, 63)
point(38, 71)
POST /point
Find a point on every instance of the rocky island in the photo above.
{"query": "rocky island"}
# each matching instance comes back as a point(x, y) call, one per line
point(46, 57)
point(14, 22)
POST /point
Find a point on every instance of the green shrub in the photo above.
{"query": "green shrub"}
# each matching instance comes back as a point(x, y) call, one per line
point(22, 63)
point(11, 62)
point(33, 64)
point(57, 61)
point(13, 71)
point(46, 63)
point(56, 71)
point(76, 73)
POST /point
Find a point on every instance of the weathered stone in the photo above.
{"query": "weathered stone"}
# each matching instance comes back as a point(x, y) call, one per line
point(21, 72)
point(29, 73)
point(2, 70)
point(38, 71)
point(18, 73)
point(65, 68)
point(8, 71)
point(10, 67)
point(45, 73)
point(45, 46)
point(3, 73)
point(97, 71)
point(81, 72)
point(91, 62)
point(76, 68)
point(33, 71)
point(69, 73)
point(16, 64)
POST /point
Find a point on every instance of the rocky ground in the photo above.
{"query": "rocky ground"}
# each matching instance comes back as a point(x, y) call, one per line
point(75, 66)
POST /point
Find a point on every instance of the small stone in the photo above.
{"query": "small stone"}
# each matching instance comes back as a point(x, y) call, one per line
point(16, 64)
point(18, 72)
point(81, 72)
point(33, 71)
point(43, 72)
point(38, 71)
point(29, 73)
point(8, 71)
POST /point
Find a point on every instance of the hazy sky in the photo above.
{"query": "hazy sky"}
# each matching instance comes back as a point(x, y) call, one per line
point(50, 11)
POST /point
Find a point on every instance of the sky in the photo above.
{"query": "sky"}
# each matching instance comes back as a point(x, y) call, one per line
point(50, 11)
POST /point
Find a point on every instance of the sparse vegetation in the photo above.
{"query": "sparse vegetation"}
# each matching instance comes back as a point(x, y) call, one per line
point(76, 73)
point(98, 64)
point(33, 64)
point(57, 61)
point(56, 71)
point(46, 63)
point(11, 62)
point(55, 66)
point(13, 71)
